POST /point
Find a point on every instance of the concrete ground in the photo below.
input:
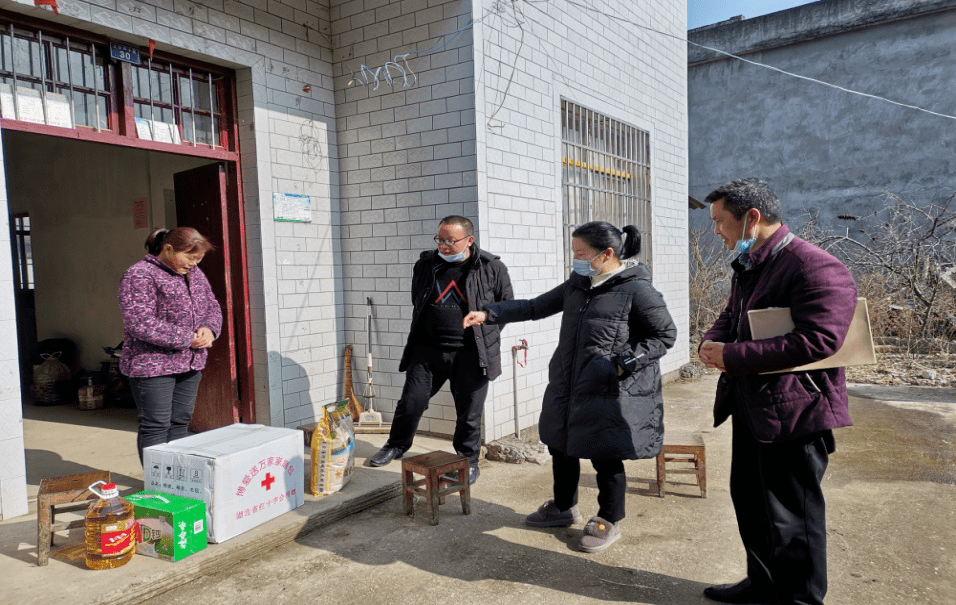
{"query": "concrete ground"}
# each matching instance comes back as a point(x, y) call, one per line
point(891, 492)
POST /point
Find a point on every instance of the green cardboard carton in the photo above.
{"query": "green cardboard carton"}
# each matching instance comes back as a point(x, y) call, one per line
point(168, 527)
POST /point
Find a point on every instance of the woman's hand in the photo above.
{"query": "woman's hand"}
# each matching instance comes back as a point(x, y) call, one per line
point(475, 318)
point(203, 339)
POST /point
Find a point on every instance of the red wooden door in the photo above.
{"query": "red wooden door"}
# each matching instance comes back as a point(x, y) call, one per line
point(202, 202)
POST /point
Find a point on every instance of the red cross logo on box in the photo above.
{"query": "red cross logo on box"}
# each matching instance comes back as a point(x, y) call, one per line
point(267, 482)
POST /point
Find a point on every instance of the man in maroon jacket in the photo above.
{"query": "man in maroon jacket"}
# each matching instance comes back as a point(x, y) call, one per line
point(782, 423)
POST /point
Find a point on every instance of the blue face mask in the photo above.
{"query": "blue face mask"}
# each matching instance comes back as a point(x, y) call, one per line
point(583, 267)
point(743, 247)
point(453, 258)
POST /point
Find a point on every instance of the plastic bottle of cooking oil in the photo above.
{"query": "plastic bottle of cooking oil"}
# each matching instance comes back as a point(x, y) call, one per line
point(109, 529)
point(91, 397)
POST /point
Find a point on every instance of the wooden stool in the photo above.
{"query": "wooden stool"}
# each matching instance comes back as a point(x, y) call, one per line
point(687, 449)
point(433, 466)
point(60, 495)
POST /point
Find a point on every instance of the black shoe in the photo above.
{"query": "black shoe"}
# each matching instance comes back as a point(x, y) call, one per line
point(385, 455)
point(473, 473)
point(741, 593)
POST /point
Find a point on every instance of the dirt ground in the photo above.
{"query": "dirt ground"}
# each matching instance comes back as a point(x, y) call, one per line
point(891, 492)
point(895, 367)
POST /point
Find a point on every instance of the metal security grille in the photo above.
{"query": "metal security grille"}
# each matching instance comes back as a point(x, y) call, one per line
point(606, 175)
point(162, 99)
point(167, 93)
point(54, 63)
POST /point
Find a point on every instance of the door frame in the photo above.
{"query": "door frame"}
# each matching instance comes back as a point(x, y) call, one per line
point(124, 135)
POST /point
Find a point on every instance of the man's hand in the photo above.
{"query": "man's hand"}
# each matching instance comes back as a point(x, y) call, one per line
point(203, 339)
point(475, 318)
point(712, 355)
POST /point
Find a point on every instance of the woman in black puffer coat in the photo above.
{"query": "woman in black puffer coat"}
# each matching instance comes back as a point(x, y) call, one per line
point(603, 401)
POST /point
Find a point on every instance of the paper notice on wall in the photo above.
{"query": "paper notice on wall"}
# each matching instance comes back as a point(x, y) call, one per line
point(59, 110)
point(164, 132)
point(292, 207)
point(140, 214)
point(143, 129)
point(29, 105)
point(7, 110)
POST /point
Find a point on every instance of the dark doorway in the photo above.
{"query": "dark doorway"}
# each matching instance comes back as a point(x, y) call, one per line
point(23, 280)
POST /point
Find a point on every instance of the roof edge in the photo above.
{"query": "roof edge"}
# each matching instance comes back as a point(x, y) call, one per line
point(803, 23)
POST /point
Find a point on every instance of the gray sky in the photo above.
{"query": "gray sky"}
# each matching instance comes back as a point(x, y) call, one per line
point(705, 12)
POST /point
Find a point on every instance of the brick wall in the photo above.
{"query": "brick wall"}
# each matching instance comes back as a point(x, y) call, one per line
point(822, 150)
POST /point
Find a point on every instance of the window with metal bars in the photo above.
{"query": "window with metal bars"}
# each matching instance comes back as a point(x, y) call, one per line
point(53, 64)
point(22, 251)
point(167, 94)
point(606, 174)
point(167, 100)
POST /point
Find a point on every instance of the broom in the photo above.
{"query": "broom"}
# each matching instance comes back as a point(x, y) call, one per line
point(355, 407)
point(370, 421)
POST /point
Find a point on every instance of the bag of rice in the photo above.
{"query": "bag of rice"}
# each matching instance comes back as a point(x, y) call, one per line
point(333, 449)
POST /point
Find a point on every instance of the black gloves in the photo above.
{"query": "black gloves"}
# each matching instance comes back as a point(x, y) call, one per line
point(628, 362)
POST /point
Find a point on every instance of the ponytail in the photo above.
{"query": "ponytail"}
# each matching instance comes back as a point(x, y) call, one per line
point(632, 243)
point(601, 235)
point(154, 243)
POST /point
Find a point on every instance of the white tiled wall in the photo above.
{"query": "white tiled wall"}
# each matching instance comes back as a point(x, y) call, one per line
point(407, 160)
point(412, 154)
point(13, 473)
point(606, 62)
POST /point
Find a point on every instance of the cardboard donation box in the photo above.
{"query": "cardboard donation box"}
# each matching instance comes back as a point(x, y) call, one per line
point(168, 527)
point(246, 474)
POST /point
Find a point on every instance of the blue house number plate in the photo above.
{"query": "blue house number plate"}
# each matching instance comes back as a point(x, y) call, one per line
point(122, 52)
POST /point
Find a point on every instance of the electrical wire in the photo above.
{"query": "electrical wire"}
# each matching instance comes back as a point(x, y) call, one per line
point(758, 64)
point(514, 68)
point(368, 76)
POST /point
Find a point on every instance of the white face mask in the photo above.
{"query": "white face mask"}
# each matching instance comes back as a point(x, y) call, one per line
point(743, 246)
point(583, 267)
point(453, 258)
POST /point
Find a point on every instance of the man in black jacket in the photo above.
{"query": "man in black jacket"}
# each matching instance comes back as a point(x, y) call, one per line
point(447, 283)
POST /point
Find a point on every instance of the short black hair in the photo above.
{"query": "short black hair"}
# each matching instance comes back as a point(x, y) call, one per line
point(743, 194)
point(461, 221)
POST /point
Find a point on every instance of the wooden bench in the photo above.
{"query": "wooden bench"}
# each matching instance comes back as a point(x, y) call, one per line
point(686, 449)
point(434, 486)
point(59, 495)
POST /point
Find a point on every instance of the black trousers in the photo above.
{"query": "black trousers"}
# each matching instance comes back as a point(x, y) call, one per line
point(165, 405)
point(781, 514)
point(427, 372)
point(611, 481)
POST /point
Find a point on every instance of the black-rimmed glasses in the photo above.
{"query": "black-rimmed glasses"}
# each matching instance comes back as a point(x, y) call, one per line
point(448, 242)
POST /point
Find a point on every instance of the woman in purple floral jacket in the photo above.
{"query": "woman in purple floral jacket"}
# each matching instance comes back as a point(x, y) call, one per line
point(170, 319)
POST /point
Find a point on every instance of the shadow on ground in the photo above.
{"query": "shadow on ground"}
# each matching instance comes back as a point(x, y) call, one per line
point(494, 546)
